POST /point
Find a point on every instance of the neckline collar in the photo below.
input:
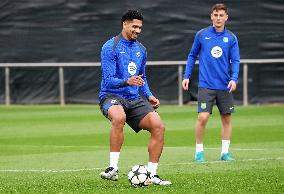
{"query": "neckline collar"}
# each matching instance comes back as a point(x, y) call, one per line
point(213, 29)
point(125, 40)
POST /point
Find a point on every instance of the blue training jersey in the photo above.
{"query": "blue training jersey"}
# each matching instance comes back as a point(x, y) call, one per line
point(219, 58)
point(120, 62)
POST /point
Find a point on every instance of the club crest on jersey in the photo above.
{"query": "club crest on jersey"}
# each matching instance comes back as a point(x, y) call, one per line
point(203, 105)
point(216, 51)
point(132, 68)
point(225, 39)
point(138, 54)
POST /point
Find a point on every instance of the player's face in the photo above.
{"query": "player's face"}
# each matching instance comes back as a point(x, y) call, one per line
point(219, 19)
point(132, 29)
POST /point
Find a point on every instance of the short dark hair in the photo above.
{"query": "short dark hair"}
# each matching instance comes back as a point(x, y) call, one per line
point(220, 6)
point(131, 15)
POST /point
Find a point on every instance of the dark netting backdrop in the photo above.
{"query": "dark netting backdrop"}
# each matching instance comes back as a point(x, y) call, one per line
point(74, 31)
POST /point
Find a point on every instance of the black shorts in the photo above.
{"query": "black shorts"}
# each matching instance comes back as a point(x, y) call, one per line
point(207, 98)
point(135, 110)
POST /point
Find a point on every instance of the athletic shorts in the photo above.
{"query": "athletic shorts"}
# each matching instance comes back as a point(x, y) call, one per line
point(135, 110)
point(223, 99)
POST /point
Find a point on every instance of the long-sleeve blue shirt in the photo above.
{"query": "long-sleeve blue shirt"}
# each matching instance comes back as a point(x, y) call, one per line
point(219, 58)
point(126, 59)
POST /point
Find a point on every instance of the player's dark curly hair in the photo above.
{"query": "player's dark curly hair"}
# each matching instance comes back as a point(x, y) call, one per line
point(131, 15)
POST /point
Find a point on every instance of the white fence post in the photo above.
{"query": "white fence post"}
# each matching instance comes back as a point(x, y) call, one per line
point(61, 86)
point(245, 84)
point(7, 86)
point(180, 93)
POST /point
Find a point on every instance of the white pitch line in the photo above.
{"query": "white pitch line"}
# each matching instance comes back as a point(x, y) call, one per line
point(102, 168)
point(219, 161)
point(239, 149)
point(166, 147)
point(55, 171)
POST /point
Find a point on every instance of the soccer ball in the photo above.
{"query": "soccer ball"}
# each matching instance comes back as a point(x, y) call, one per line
point(139, 176)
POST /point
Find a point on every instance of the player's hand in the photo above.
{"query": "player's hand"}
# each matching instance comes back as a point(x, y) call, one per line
point(232, 86)
point(135, 81)
point(154, 101)
point(185, 84)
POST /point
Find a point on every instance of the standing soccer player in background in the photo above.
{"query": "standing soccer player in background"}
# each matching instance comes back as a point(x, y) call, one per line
point(219, 61)
point(123, 61)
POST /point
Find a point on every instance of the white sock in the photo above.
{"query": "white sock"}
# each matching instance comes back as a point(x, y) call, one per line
point(113, 159)
point(152, 167)
point(199, 147)
point(225, 146)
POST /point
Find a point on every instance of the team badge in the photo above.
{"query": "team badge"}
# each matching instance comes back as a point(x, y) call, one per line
point(216, 51)
point(225, 39)
point(203, 105)
point(132, 68)
point(113, 101)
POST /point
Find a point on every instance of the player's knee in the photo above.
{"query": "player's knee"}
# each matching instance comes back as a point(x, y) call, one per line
point(118, 121)
point(202, 119)
point(159, 130)
point(161, 127)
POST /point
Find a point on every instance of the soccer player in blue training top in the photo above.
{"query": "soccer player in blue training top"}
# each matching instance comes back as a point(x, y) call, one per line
point(219, 60)
point(123, 89)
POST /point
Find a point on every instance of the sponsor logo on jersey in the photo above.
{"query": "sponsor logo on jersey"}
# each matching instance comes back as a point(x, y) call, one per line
point(216, 51)
point(132, 68)
point(225, 39)
point(207, 38)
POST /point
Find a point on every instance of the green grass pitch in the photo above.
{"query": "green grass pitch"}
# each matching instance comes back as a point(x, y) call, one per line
point(53, 149)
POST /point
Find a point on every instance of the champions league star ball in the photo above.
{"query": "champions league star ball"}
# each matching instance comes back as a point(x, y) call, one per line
point(139, 176)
